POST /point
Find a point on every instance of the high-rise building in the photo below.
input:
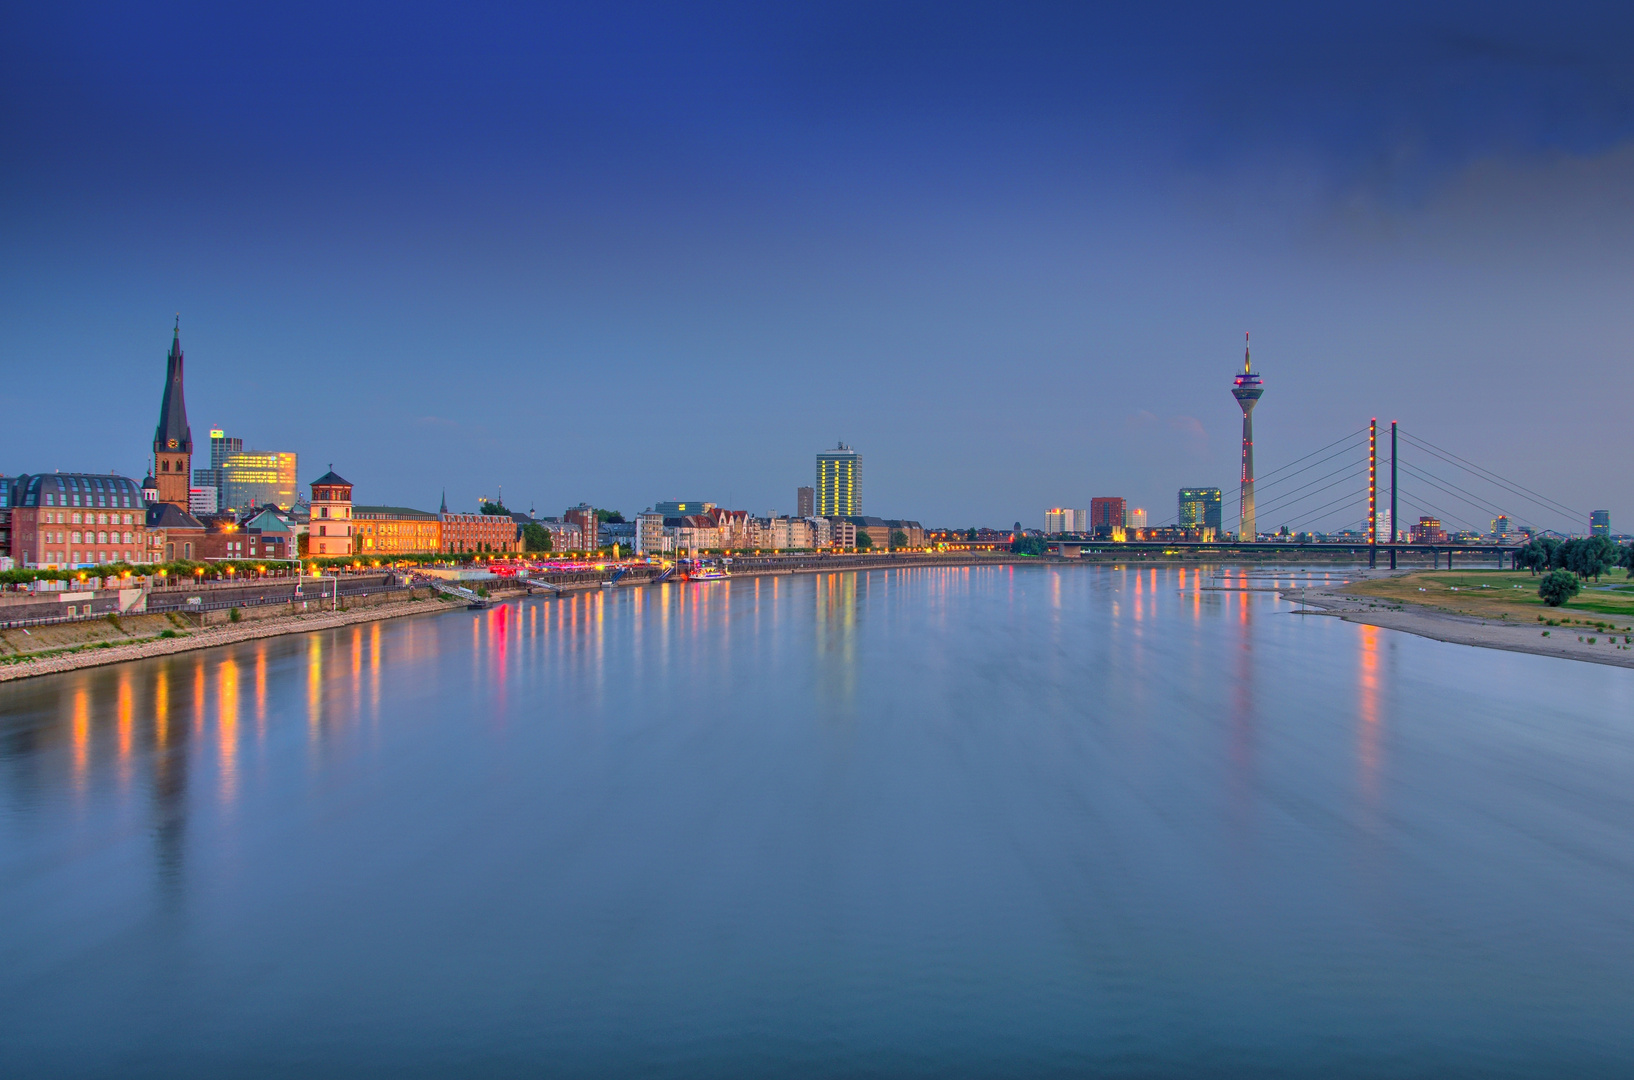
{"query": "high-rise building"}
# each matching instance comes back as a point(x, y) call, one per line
point(258, 478)
point(1137, 518)
point(1500, 526)
point(173, 439)
point(1107, 512)
point(839, 482)
point(201, 501)
point(805, 502)
point(1200, 508)
point(1599, 522)
point(246, 478)
point(1247, 388)
point(1061, 519)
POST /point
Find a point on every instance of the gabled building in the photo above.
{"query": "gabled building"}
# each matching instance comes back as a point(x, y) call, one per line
point(330, 532)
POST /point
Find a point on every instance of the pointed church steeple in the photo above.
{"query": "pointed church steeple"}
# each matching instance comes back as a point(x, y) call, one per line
point(173, 438)
point(444, 508)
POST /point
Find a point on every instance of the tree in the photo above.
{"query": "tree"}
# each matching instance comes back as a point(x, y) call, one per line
point(1626, 558)
point(1557, 587)
point(494, 508)
point(899, 538)
point(864, 541)
point(1535, 557)
point(609, 517)
point(1029, 545)
point(1592, 556)
point(535, 537)
point(971, 534)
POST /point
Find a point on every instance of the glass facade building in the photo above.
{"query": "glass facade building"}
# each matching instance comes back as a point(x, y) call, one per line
point(1200, 508)
point(258, 478)
point(245, 478)
point(1599, 522)
point(839, 482)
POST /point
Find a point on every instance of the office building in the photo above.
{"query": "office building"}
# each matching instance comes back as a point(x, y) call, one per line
point(649, 533)
point(805, 502)
point(678, 508)
point(243, 479)
point(1062, 519)
point(330, 531)
point(1247, 388)
point(839, 482)
point(1600, 523)
point(1107, 513)
point(1500, 526)
point(1427, 531)
point(1199, 509)
point(1137, 518)
point(201, 501)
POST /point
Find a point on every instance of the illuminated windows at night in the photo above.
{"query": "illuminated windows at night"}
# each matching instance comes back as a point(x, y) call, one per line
point(839, 482)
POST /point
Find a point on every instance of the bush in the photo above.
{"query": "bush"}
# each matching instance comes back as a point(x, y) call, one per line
point(167, 633)
point(1557, 587)
point(234, 614)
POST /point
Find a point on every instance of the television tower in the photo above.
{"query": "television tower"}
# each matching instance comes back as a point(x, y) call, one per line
point(1247, 388)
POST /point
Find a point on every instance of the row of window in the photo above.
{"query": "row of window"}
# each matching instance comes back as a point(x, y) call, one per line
point(58, 517)
point(59, 557)
point(52, 536)
point(101, 500)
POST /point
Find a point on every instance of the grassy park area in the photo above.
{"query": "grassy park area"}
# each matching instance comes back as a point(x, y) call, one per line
point(1507, 594)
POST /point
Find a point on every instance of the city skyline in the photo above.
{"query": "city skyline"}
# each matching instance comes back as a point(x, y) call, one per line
point(758, 209)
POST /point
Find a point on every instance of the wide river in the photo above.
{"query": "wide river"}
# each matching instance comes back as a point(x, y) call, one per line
point(940, 822)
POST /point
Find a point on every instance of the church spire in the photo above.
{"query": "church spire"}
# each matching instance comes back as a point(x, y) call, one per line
point(444, 509)
point(173, 434)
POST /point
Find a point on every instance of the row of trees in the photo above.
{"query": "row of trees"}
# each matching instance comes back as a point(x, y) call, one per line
point(1588, 557)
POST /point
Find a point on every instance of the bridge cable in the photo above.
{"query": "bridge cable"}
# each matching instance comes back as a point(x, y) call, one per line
point(1292, 498)
point(1316, 514)
point(1459, 493)
point(1492, 477)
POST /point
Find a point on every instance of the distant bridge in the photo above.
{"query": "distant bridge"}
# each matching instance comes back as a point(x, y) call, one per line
point(1371, 552)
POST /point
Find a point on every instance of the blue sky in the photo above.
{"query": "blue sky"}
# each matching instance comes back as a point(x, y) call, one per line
point(623, 253)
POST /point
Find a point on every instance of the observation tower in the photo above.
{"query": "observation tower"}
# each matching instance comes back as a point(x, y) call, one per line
point(1247, 388)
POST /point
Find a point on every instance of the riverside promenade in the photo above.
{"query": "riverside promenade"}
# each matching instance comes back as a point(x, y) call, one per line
point(267, 610)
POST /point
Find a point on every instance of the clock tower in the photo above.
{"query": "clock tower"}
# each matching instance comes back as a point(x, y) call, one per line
point(173, 440)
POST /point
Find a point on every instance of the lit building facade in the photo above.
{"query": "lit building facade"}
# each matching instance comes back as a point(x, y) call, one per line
point(1427, 531)
point(258, 478)
point(1108, 512)
point(63, 520)
point(395, 530)
point(482, 533)
point(330, 532)
point(1600, 523)
point(1137, 518)
point(1199, 509)
point(839, 482)
point(585, 517)
point(1060, 519)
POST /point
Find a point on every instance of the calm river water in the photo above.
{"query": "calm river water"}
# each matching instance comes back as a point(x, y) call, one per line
point(942, 822)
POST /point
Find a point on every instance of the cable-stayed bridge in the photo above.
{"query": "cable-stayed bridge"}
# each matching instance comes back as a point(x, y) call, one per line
point(1353, 494)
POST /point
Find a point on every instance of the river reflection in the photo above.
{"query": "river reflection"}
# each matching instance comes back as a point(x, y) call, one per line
point(962, 821)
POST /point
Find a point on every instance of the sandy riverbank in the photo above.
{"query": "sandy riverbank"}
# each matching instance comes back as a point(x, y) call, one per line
point(1570, 643)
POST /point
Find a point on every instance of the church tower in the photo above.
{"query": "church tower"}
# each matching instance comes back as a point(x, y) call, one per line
point(173, 440)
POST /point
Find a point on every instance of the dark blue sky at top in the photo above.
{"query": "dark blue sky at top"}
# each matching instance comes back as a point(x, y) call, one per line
point(624, 253)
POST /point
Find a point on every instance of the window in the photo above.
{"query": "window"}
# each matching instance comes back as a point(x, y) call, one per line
point(48, 501)
point(76, 519)
point(76, 536)
point(164, 465)
point(324, 512)
point(323, 530)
